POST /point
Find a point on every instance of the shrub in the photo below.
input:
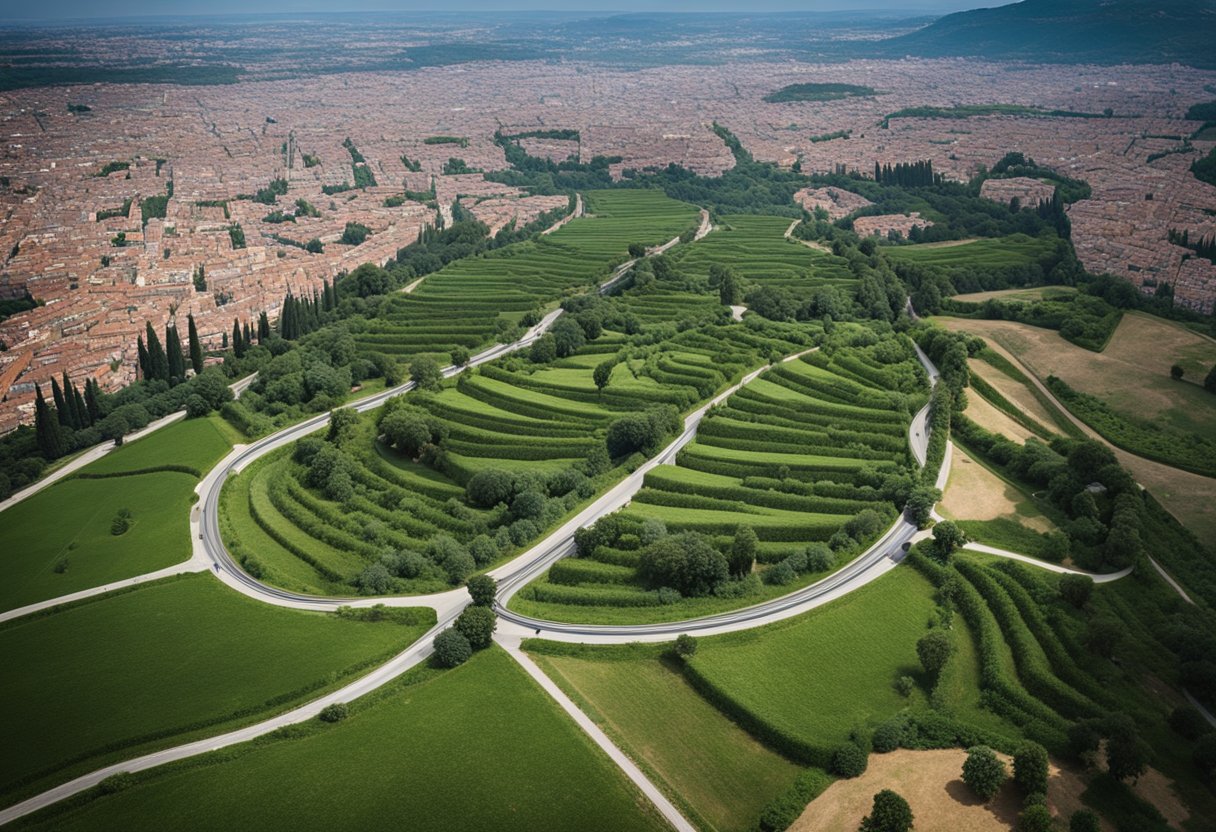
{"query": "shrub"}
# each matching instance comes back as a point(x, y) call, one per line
point(889, 735)
point(336, 712)
point(452, 648)
point(819, 557)
point(904, 685)
point(1036, 818)
point(61, 565)
point(1076, 589)
point(1188, 722)
point(482, 589)
point(1125, 752)
point(947, 538)
point(489, 487)
point(1203, 755)
point(528, 505)
point(920, 504)
point(1084, 820)
point(458, 564)
point(849, 760)
point(686, 645)
point(426, 374)
point(890, 813)
point(652, 531)
point(743, 551)
point(983, 772)
point(1176, 372)
point(477, 625)
point(116, 783)
point(374, 580)
point(779, 814)
point(934, 649)
point(121, 523)
point(780, 574)
point(1030, 768)
point(685, 562)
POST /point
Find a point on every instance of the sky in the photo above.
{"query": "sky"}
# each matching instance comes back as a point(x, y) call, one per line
point(52, 10)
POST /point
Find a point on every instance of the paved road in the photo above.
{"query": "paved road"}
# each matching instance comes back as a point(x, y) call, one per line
point(98, 451)
point(876, 561)
point(584, 722)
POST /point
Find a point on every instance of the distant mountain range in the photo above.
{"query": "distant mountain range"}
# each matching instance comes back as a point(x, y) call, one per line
point(1072, 31)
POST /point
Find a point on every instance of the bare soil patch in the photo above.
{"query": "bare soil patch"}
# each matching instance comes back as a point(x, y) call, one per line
point(948, 243)
point(1005, 294)
point(986, 415)
point(975, 493)
point(931, 782)
point(1016, 392)
point(1189, 497)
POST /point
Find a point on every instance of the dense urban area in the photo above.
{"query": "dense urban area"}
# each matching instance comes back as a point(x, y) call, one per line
point(723, 422)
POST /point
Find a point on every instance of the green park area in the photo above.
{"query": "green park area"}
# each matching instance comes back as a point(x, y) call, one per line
point(478, 747)
point(107, 678)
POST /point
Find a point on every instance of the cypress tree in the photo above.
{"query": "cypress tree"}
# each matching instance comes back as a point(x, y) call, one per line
point(263, 327)
point(80, 408)
point(177, 361)
point(247, 336)
point(92, 402)
point(196, 348)
point(143, 357)
point(238, 347)
point(46, 428)
point(158, 362)
point(71, 399)
point(287, 318)
point(60, 409)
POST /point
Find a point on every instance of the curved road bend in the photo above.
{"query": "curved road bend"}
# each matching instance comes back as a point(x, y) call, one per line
point(880, 558)
point(98, 451)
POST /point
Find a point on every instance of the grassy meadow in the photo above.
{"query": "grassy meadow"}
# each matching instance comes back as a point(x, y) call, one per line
point(478, 747)
point(113, 676)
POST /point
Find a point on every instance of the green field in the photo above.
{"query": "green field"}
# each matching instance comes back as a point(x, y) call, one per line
point(794, 455)
point(462, 304)
point(818, 676)
point(756, 248)
point(479, 747)
point(112, 677)
point(68, 525)
point(992, 252)
point(709, 766)
point(193, 443)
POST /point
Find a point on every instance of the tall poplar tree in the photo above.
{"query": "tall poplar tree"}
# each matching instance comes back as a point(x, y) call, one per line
point(177, 361)
point(158, 362)
point(46, 428)
point(196, 347)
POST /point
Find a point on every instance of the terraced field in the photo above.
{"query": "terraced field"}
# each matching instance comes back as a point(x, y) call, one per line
point(808, 454)
point(756, 247)
point(473, 300)
point(993, 252)
point(542, 425)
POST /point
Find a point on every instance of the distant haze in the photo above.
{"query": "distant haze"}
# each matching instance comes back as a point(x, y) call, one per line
point(53, 10)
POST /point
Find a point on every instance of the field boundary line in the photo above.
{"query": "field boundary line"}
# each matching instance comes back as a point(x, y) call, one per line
point(673, 816)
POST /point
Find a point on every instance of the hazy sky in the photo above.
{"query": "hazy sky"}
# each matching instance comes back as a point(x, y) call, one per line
point(67, 9)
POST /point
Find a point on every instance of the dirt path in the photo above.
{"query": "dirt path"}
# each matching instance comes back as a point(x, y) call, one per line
point(575, 214)
point(948, 243)
point(1189, 497)
point(808, 243)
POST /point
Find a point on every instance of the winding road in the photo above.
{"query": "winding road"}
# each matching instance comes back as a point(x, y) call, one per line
point(211, 554)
